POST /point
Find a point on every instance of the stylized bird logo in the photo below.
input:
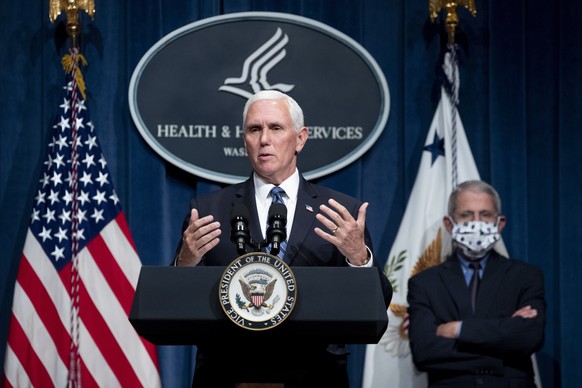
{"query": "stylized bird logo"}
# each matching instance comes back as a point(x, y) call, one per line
point(257, 66)
point(257, 294)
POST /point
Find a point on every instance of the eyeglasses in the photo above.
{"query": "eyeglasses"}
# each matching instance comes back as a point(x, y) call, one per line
point(486, 216)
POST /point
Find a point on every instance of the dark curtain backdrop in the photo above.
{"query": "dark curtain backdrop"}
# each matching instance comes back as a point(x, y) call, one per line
point(521, 74)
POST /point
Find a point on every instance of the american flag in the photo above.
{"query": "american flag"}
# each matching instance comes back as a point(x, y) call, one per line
point(79, 268)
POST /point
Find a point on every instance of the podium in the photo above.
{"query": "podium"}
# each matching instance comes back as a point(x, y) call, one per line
point(335, 305)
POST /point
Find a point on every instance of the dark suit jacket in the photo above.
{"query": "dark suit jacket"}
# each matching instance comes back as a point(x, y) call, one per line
point(493, 349)
point(304, 248)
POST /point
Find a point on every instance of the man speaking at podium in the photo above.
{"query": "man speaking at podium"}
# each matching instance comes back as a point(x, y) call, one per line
point(323, 227)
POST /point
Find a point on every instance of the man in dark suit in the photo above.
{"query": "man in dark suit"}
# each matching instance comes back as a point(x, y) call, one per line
point(476, 319)
point(324, 228)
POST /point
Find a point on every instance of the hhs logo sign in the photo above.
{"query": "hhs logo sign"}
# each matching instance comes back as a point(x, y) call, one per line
point(188, 91)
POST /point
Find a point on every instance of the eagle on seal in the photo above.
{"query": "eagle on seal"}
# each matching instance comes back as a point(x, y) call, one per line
point(257, 294)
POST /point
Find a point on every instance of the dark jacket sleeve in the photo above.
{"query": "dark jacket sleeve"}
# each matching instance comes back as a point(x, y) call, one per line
point(504, 334)
point(490, 340)
point(429, 351)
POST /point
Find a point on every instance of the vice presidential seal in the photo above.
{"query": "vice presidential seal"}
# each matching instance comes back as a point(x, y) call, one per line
point(257, 291)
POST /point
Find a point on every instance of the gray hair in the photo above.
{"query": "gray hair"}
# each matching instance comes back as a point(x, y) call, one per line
point(294, 109)
point(475, 186)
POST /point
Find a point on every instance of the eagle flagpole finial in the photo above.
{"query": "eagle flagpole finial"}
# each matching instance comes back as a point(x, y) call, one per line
point(452, 19)
point(72, 8)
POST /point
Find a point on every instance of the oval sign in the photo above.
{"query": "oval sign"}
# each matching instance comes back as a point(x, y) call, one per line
point(187, 93)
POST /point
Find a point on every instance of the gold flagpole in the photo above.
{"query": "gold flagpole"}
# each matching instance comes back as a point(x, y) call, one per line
point(71, 8)
point(452, 19)
point(70, 64)
point(71, 60)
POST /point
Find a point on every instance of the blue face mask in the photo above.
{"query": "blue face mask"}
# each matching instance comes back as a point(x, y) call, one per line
point(475, 238)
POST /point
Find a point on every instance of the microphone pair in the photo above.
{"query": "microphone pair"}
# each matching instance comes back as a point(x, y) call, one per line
point(276, 228)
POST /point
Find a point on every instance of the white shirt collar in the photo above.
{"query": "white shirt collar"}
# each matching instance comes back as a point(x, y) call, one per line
point(290, 185)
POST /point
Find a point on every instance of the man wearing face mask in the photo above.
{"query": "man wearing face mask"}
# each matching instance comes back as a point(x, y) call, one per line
point(476, 319)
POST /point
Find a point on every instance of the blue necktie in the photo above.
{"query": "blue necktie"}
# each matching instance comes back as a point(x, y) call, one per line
point(474, 283)
point(277, 197)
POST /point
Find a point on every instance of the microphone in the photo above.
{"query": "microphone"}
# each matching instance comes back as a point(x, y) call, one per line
point(239, 233)
point(276, 231)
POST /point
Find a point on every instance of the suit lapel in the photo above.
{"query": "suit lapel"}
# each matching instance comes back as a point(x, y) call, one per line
point(454, 281)
point(246, 195)
point(305, 211)
point(492, 278)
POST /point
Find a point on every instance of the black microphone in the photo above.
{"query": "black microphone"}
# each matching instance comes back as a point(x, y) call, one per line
point(276, 231)
point(239, 223)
